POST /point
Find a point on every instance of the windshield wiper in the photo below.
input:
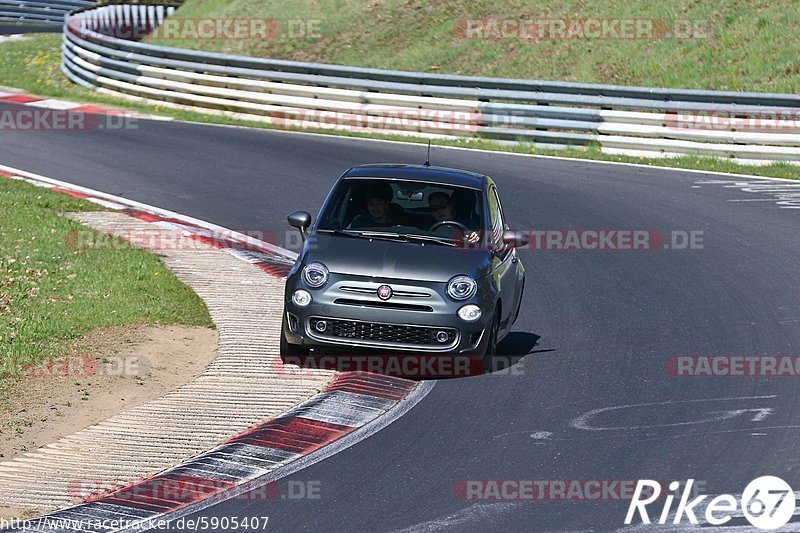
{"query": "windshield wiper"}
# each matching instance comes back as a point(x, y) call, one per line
point(362, 234)
point(390, 235)
point(410, 237)
point(345, 232)
point(428, 238)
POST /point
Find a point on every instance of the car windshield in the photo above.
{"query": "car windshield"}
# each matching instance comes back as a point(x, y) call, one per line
point(375, 206)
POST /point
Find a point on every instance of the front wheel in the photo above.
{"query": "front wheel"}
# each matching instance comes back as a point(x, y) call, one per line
point(491, 347)
point(519, 304)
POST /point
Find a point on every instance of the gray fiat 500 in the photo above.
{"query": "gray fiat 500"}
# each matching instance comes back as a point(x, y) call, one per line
point(405, 259)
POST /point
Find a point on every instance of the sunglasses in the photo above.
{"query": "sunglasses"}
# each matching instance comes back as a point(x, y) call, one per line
point(436, 207)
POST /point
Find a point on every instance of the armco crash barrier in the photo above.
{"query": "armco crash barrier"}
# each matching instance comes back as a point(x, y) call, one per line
point(749, 127)
point(39, 12)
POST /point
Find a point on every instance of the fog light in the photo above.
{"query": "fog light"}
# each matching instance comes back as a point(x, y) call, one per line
point(469, 313)
point(442, 337)
point(321, 326)
point(301, 298)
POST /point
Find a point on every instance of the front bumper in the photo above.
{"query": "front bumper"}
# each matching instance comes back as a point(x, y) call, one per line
point(407, 323)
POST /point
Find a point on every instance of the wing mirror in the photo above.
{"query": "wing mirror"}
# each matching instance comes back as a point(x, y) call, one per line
point(516, 239)
point(300, 220)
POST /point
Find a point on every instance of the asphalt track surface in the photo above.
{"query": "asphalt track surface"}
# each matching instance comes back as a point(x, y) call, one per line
point(599, 327)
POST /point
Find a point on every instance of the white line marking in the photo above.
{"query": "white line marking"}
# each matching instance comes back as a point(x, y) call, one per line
point(760, 414)
point(54, 104)
point(13, 37)
point(481, 512)
point(106, 203)
point(785, 196)
point(288, 254)
point(583, 421)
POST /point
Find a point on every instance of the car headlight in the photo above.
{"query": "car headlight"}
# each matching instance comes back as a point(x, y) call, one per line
point(301, 298)
point(469, 313)
point(461, 287)
point(315, 274)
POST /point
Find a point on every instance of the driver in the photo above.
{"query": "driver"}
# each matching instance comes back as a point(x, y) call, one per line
point(441, 206)
point(378, 197)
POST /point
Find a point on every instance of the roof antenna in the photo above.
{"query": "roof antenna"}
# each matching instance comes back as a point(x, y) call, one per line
point(428, 158)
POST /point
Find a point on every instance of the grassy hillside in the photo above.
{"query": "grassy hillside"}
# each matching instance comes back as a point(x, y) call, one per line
point(751, 44)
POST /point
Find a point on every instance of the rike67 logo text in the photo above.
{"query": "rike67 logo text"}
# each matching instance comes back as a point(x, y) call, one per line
point(767, 502)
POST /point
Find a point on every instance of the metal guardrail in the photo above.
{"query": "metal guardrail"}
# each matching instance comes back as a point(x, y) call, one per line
point(749, 127)
point(50, 12)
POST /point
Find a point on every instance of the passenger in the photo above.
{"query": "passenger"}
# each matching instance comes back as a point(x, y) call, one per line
point(379, 197)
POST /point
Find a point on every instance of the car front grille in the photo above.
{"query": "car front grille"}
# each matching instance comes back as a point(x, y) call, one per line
point(377, 333)
point(374, 291)
point(383, 305)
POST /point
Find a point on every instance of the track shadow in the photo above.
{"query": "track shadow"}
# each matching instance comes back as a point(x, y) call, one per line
point(418, 366)
point(514, 348)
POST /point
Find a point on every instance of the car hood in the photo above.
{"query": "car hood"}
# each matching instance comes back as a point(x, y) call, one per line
point(395, 260)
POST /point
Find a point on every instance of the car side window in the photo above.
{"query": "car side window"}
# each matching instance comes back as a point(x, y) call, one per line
point(501, 245)
point(496, 219)
point(502, 215)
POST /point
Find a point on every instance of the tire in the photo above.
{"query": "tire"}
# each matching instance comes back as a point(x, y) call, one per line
point(491, 347)
point(519, 304)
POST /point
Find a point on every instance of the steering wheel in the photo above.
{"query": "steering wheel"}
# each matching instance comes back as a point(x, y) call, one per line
point(450, 223)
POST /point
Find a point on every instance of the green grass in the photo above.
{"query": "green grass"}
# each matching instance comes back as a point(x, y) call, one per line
point(33, 65)
point(52, 292)
point(751, 44)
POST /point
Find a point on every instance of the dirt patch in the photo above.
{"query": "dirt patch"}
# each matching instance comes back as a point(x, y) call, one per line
point(129, 365)
point(21, 513)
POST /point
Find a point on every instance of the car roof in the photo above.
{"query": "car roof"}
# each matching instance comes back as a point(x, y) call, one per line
point(447, 176)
